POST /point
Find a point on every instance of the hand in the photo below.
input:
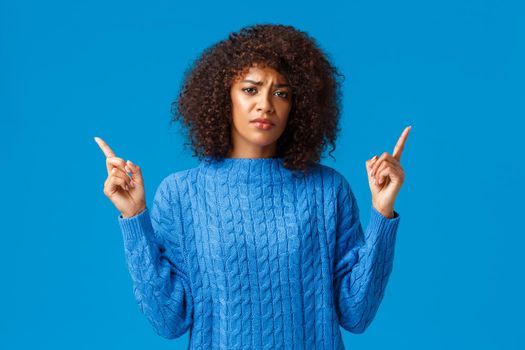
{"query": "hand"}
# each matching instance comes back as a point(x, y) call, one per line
point(385, 177)
point(126, 193)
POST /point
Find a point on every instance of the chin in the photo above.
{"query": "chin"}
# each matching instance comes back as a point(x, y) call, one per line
point(262, 144)
point(263, 140)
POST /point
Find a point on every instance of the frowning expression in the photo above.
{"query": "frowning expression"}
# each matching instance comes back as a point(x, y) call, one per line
point(261, 93)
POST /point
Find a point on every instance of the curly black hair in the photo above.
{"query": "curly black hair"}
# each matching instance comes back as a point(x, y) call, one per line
point(204, 103)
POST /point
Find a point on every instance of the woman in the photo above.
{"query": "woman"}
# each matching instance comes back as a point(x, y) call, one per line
point(259, 246)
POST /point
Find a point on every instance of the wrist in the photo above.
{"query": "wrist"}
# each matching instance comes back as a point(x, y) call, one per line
point(131, 214)
point(386, 212)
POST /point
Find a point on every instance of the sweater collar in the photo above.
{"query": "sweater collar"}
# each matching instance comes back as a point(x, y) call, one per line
point(248, 170)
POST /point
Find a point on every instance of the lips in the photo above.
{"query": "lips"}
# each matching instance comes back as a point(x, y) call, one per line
point(262, 120)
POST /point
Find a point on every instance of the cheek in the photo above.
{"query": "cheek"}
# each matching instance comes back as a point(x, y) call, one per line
point(285, 114)
point(240, 104)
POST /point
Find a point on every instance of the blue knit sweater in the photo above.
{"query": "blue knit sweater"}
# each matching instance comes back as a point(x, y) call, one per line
point(246, 254)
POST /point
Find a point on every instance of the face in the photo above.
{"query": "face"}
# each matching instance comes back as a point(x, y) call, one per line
point(260, 93)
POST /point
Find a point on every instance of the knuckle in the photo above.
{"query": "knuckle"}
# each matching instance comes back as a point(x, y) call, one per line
point(115, 160)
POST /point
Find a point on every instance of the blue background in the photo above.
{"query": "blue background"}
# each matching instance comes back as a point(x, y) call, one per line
point(453, 70)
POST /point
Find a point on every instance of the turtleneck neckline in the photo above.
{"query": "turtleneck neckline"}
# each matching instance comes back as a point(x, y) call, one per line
point(244, 161)
point(253, 160)
point(247, 170)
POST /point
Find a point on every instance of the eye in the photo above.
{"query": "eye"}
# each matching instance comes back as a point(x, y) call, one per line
point(283, 94)
point(249, 90)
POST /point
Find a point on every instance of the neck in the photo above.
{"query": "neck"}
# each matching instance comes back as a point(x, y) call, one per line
point(253, 152)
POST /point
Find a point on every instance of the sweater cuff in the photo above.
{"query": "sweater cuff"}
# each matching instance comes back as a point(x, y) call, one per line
point(381, 224)
point(136, 226)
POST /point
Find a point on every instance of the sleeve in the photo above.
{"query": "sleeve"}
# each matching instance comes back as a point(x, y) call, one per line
point(152, 243)
point(363, 261)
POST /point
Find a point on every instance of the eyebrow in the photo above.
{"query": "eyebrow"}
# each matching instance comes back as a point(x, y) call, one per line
point(260, 83)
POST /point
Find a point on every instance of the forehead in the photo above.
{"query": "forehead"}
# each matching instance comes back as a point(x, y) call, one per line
point(262, 74)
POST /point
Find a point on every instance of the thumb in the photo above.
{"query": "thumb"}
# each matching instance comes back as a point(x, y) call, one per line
point(370, 163)
point(136, 173)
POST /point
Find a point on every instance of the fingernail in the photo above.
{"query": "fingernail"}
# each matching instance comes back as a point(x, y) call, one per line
point(132, 184)
point(127, 188)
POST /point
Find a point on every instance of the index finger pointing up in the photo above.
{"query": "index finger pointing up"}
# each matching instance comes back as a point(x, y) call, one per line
point(105, 148)
point(398, 149)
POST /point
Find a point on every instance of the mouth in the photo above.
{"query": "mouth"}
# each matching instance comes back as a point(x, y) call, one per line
point(263, 125)
point(262, 120)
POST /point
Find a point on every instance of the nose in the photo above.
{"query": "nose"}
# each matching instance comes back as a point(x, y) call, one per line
point(264, 104)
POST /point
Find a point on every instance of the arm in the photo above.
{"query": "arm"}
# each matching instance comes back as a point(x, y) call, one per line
point(363, 261)
point(152, 242)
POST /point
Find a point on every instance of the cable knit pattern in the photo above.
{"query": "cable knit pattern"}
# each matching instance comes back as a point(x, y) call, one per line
point(247, 255)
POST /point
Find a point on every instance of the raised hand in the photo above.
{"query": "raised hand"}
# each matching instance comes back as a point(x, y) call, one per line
point(125, 192)
point(386, 176)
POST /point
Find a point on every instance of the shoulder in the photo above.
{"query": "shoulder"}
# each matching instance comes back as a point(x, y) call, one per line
point(178, 183)
point(332, 175)
point(176, 177)
point(341, 187)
